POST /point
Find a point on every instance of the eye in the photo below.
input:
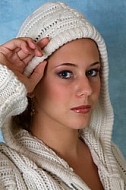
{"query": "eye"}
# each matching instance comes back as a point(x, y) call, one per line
point(65, 74)
point(93, 72)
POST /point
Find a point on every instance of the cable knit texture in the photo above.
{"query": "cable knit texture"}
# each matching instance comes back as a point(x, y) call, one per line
point(26, 163)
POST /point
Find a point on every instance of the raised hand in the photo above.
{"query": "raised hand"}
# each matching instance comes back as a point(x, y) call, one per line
point(17, 53)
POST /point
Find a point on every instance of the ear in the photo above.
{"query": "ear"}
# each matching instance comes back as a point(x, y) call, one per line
point(31, 95)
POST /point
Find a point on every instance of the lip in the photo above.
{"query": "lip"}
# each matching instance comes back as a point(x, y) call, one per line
point(82, 109)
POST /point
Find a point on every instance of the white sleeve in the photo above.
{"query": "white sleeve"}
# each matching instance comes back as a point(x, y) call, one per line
point(13, 100)
point(121, 162)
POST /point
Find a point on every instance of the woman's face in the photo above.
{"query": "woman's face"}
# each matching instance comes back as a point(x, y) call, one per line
point(70, 88)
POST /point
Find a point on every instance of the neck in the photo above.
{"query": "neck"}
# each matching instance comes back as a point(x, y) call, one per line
point(64, 141)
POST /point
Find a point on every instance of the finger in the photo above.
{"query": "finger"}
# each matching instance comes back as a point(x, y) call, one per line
point(36, 49)
point(43, 42)
point(36, 52)
point(13, 44)
point(37, 74)
point(20, 43)
point(29, 48)
point(26, 49)
point(3, 60)
point(40, 45)
point(23, 54)
point(28, 59)
point(12, 67)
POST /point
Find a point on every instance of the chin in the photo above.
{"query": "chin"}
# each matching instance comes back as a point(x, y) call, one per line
point(81, 123)
point(80, 126)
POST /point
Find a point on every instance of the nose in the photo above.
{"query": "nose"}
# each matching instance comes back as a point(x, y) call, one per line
point(84, 87)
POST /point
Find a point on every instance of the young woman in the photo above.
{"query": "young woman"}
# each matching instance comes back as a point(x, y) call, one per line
point(55, 112)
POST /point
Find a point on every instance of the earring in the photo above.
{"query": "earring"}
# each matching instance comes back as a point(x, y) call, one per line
point(32, 107)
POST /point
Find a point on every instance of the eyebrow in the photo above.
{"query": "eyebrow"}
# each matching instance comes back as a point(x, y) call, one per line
point(74, 65)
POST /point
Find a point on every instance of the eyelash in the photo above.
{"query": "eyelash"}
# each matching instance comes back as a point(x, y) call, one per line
point(66, 74)
point(90, 73)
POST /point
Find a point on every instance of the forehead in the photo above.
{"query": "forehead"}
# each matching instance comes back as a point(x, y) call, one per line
point(80, 49)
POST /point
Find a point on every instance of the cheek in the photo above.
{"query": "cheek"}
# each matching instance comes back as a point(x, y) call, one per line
point(96, 89)
point(52, 93)
point(59, 93)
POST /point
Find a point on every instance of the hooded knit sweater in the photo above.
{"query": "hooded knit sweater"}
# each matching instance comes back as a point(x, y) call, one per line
point(25, 161)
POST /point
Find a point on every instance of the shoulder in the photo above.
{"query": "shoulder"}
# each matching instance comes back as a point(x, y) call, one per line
point(121, 162)
point(5, 162)
point(8, 171)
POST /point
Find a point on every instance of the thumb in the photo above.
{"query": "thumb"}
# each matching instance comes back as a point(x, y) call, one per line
point(37, 74)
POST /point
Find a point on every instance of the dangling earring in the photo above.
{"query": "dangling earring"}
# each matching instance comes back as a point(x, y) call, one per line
point(32, 107)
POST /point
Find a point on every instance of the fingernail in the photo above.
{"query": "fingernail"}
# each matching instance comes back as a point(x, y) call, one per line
point(48, 38)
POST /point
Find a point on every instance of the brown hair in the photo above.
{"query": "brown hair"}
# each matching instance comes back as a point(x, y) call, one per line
point(24, 119)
